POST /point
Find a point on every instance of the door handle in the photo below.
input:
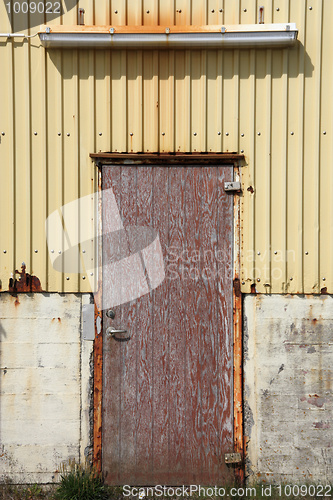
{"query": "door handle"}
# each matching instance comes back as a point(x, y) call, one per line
point(112, 331)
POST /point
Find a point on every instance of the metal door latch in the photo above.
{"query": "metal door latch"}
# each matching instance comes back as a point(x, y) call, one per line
point(232, 458)
point(232, 186)
point(112, 331)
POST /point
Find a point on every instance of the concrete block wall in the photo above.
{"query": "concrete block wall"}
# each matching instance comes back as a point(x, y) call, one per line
point(288, 377)
point(45, 385)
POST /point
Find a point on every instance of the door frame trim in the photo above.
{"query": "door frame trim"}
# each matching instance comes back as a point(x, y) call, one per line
point(237, 161)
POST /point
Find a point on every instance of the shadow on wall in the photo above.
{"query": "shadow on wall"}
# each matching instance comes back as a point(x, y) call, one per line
point(179, 64)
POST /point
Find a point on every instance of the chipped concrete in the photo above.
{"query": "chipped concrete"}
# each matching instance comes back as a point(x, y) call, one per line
point(288, 381)
point(45, 385)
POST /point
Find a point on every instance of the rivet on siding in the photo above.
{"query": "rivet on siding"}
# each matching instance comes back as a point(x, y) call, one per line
point(35, 133)
point(2, 133)
point(242, 150)
point(36, 251)
point(179, 11)
point(259, 133)
point(59, 251)
point(5, 251)
point(67, 278)
point(83, 277)
point(83, 251)
point(291, 278)
point(68, 134)
point(163, 133)
point(258, 279)
point(310, 8)
point(258, 253)
point(147, 11)
point(245, 10)
point(242, 134)
point(243, 282)
point(275, 252)
point(278, 8)
point(116, 12)
point(100, 133)
point(52, 251)
point(306, 253)
point(324, 279)
point(59, 133)
point(291, 133)
point(219, 133)
point(227, 133)
point(91, 274)
point(220, 10)
point(324, 132)
point(194, 133)
point(131, 133)
point(212, 10)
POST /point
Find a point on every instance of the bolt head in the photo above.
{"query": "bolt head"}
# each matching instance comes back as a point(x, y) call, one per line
point(68, 134)
point(163, 133)
point(291, 133)
point(227, 133)
point(194, 133)
point(242, 134)
point(277, 8)
point(259, 133)
point(35, 133)
point(36, 251)
point(306, 253)
point(59, 252)
point(83, 277)
point(275, 252)
point(5, 251)
point(116, 12)
point(258, 279)
point(324, 132)
point(245, 10)
point(52, 251)
point(100, 133)
point(59, 133)
point(324, 279)
point(242, 150)
point(243, 282)
point(91, 274)
point(67, 278)
point(258, 253)
point(2, 133)
point(291, 278)
point(131, 133)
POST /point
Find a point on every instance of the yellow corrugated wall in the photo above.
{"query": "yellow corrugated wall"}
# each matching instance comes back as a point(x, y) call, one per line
point(275, 105)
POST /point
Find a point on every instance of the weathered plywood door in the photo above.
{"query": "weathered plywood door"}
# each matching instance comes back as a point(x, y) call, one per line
point(167, 276)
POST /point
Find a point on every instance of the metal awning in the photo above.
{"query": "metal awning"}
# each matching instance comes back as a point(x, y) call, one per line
point(169, 37)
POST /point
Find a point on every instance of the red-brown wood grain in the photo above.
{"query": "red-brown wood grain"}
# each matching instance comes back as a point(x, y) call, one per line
point(167, 403)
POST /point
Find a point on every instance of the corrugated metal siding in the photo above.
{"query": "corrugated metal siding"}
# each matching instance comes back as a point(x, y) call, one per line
point(177, 101)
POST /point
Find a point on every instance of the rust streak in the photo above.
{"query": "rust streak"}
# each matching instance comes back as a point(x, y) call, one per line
point(238, 351)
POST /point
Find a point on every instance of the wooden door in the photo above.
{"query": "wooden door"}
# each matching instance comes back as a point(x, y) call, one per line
point(167, 382)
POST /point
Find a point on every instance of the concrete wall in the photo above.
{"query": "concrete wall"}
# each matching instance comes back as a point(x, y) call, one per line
point(45, 385)
point(288, 347)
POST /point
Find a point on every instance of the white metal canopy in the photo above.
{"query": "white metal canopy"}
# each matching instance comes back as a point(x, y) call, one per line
point(173, 37)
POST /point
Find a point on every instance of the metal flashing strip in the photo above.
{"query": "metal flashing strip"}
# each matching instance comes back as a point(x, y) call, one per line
point(174, 37)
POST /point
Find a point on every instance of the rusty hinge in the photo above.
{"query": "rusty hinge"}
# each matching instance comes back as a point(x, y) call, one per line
point(232, 186)
point(232, 458)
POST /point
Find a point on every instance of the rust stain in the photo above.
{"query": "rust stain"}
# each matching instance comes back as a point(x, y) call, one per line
point(323, 291)
point(59, 320)
point(314, 400)
point(250, 189)
point(321, 425)
point(25, 283)
point(98, 359)
point(253, 288)
point(238, 349)
point(17, 302)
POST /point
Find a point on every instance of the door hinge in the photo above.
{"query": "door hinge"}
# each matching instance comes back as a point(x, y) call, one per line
point(232, 458)
point(232, 186)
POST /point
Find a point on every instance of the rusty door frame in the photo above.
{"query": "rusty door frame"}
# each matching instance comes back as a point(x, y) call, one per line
point(153, 159)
